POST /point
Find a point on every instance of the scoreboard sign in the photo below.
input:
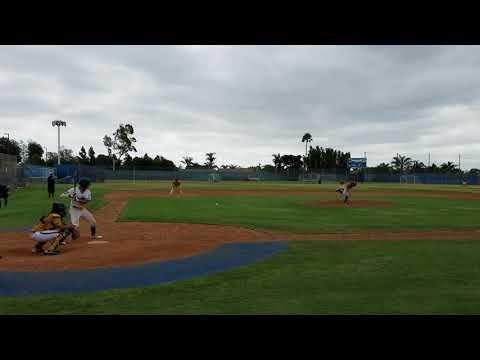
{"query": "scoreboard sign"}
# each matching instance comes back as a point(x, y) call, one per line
point(357, 163)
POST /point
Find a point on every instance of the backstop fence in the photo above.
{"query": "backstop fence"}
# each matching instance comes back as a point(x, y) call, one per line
point(8, 169)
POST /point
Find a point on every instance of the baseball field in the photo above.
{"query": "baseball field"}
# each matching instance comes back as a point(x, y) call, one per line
point(250, 248)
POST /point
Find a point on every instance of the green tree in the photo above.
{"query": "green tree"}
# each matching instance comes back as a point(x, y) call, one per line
point(103, 160)
point(417, 166)
point(123, 141)
point(66, 156)
point(382, 168)
point(35, 153)
point(108, 142)
point(231, 166)
point(401, 163)
point(127, 161)
point(11, 147)
point(307, 138)
point(162, 163)
point(52, 159)
point(277, 161)
point(82, 154)
point(320, 158)
point(188, 161)
point(269, 168)
point(210, 160)
point(449, 167)
point(292, 164)
point(91, 156)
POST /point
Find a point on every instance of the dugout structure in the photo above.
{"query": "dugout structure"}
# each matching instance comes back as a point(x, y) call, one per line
point(213, 178)
point(8, 169)
point(310, 178)
point(409, 179)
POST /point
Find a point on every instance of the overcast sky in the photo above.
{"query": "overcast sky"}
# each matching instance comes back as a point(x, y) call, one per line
point(247, 102)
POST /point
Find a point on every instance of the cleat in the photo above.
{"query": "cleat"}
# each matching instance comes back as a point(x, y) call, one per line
point(51, 252)
point(37, 250)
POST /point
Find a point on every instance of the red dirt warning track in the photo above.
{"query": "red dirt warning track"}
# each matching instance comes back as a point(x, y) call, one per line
point(138, 242)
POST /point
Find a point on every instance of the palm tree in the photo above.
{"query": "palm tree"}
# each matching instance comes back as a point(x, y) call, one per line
point(210, 160)
point(188, 161)
point(418, 166)
point(448, 167)
point(306, 139)
point(401, 163)
point(277, 161)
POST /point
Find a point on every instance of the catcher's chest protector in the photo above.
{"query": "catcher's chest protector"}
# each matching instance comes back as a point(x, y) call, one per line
point(49, 222)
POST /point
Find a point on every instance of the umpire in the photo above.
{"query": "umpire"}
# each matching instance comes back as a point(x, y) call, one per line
point(51, 186)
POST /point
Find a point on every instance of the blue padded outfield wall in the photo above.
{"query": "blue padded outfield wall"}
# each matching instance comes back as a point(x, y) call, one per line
point(100, 174)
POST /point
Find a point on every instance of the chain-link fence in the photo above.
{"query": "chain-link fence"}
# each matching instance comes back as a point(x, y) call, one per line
point(8, 169)
point(9, 175)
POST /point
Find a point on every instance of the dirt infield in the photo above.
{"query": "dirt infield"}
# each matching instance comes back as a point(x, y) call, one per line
point(136, 242)
point(355, 203)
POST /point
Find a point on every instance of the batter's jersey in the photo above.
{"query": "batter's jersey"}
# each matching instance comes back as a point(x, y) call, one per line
point(76, 195)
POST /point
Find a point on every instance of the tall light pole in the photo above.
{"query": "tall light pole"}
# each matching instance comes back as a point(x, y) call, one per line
point(59, 123)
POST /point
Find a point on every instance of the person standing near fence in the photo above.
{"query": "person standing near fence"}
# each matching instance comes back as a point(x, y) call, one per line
point(51, 186)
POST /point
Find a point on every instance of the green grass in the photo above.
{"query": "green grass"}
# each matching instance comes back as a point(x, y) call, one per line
point(289, 213)
point(25, 206)
point(364, 277)
point(282, 185)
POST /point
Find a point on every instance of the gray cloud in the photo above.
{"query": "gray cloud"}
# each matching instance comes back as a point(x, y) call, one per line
point(247, 102)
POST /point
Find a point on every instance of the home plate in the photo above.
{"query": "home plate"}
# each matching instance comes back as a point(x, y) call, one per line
point(97, 242)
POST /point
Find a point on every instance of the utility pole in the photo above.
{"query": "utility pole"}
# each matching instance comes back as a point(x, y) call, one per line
point(428, 159)
point(59, 123)
point(459, 168)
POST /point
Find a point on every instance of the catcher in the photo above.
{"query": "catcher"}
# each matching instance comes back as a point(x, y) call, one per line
point(80, 197)
point(51, 232)
point(176, 187)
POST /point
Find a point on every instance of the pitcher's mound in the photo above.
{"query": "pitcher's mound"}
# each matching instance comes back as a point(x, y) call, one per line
point(352, 203)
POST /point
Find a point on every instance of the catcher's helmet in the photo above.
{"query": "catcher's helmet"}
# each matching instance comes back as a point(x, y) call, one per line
point(84, 183)
point(59, 208)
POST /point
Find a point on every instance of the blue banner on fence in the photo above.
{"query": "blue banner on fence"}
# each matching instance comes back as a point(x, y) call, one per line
point(35, 171)
point(357, 163)
point(65, 170)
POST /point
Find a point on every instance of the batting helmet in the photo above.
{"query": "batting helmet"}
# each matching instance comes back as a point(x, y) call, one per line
point(59, 208)
point(84, 183)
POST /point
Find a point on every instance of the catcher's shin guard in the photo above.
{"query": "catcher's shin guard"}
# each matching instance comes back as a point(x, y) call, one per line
point(53, 245)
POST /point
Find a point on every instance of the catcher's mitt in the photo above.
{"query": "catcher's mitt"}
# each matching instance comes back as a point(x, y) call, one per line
point(352, 185)
point(74, 232)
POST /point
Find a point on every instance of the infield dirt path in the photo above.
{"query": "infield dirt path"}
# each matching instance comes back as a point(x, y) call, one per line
point(139, 242)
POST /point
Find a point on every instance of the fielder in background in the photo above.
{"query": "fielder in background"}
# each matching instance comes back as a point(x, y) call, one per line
point(345, 189)
point(51, 186)
point(340, 188)
point(51, 232)
point(176, 187)
point(4, 194)
point(80, 197)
